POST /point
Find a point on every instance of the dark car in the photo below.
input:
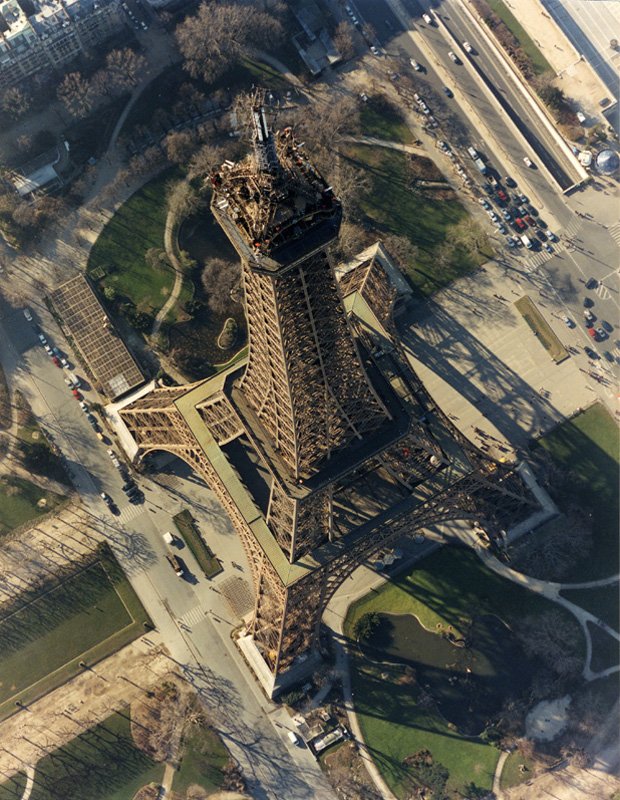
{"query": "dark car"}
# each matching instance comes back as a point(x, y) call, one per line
point(609, 357)
point(447, 92)
point(541, 223)
point(591, 353)
point(510, 181)
point(541, 236)
point(529, 220)
point(591, 283)
point(607, 325)
point(587, 302)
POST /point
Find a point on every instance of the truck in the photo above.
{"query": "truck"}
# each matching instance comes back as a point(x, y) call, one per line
point(527, 242)
point(481, 165)
point(175, 564)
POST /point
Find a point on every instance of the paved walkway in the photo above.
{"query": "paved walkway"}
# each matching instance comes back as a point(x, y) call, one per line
point(497, 792)
point(29, 770)
point(169, 234)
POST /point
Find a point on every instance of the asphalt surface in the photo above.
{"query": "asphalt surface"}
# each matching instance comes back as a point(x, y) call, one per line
point(588, 247)
point(190, 614)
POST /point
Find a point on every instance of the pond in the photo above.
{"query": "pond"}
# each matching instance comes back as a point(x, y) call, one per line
point(195, 342)
point(469, 680)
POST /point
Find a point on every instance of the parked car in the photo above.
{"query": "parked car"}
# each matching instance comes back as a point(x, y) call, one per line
point(589, 316)
point(506, 214)
point(454, 57)
point(527, 162)
point(591, 353)
point(588, 302)
point(448, 92)
point(27, 314)
point(502, 195)
point(42, 338)
point(427, 19)
point(484, 203)
point(602, 333)
point(529, 220)
point(591, 283)
point(551, 236)
point(56, 361)
point(416, 65)
point(568, 321)
point(175, 564)
point(592, 332)
point(467, 47)
point(548, 248)
point(523, 198)
point(510, 181)
point(374, 50)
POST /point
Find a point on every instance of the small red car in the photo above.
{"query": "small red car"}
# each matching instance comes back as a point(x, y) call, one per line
point(592, 332)
point(76, 394)
point(56, 361)
point(520, 224)
point(529, 220)
point(502, 195)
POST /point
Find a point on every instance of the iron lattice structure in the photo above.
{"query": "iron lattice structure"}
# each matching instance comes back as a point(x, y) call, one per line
point(320, 452)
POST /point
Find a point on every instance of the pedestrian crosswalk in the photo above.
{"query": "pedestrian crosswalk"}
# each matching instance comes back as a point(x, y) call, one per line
point(193, 616)
point(614, 231)
point(130, 512)
point(537, 259)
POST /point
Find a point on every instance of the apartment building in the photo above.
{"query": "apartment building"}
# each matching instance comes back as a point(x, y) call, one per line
point(43, 34)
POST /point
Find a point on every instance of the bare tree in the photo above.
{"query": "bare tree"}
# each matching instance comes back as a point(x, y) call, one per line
point(469, 235)
point(204, 160)
point(124, 66)
point(183, 199)
point(556, 548)
point(76, 95)
point(218, 35)
point(180, 146)
point(353, 239)
point(219, 278)
point(343, 39)
point(16, 102)
point(553, 636)
point(350, 184)
point(402, 250)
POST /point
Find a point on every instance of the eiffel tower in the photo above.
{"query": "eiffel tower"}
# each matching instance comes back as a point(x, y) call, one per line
point(322, 445)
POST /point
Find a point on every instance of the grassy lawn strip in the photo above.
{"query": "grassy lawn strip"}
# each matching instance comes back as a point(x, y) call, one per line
point(19, 500)
point(201, 551)
point(512, 775)
point(204, 757)
point(101, 764)
point(448, 587)
point(527, 308)
point(503, 12)
point(137, 226)
point(603, 601)
point(384, 121)
point(586, 450)
point(87, 617)
point(391, 207)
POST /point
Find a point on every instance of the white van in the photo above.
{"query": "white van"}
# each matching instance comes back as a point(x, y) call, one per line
point(168, 538)
point(293, 738)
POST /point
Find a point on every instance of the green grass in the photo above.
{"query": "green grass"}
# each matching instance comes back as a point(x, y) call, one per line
point(446, 588)
point(512, 775)
point(204, 757)
point(384, 121)
point(603, 601)
point(527, 308)
point(201, 551)
point(539, 62)
point(18, 502)
point(88, 616)
point(586, 450)
point(101, 764)
point(119, 251)
point(390, 207)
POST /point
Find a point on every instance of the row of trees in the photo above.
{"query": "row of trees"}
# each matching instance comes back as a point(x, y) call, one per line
point(81, 95)
point(221, 34)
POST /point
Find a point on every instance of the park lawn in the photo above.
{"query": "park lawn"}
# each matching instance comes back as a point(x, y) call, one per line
point(512, 775)
point(91, 614)
point(539, 62)
point(586, 450)
point(101, 764)
point(18, 502)
point(391, 208)
point(603, 601)
point(204, 757)
point(448, 587)
point(119, 251)
point(384, 122)
point(201, 551)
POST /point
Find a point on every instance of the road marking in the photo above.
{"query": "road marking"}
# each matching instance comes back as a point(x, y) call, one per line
point(602, 291)
point(193, 616)
point(614, 232)
point(130, 512)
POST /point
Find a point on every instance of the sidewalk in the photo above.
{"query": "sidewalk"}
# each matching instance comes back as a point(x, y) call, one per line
point(574, 75)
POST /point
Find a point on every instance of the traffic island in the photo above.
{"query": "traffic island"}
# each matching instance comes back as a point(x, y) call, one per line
point(541, 329)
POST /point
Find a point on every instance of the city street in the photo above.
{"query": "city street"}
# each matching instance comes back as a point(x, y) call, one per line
point(191, 616)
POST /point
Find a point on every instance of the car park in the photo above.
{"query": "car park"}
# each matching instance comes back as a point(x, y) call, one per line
point(417, 66)
point(453, 56)
point(467, 47)
point(27, 314)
